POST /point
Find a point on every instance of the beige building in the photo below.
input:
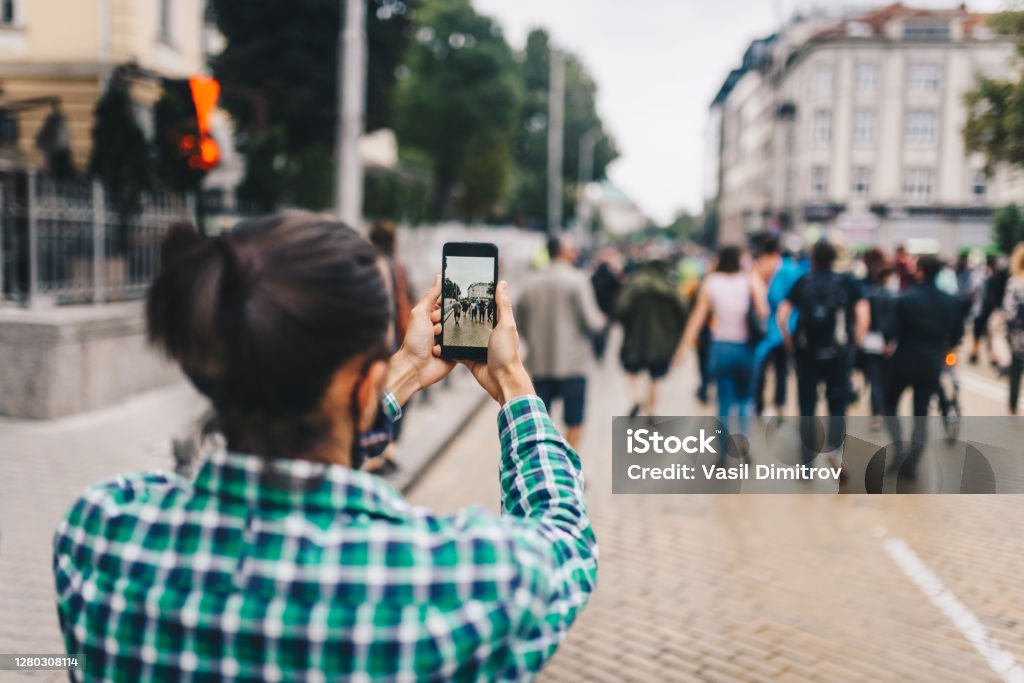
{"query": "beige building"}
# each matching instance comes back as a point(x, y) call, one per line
point(853, 125)
point(68, 48)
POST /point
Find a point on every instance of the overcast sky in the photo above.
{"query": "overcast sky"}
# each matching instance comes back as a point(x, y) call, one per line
point(469, 270)
point(658, 64)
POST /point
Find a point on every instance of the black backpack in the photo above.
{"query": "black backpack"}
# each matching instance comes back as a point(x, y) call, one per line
point(822, 326)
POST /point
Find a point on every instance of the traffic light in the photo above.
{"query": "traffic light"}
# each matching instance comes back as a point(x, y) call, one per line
point(201, 150)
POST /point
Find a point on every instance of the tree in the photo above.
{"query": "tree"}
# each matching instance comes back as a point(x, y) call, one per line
point(279, 70)
point(995, 126)
point(1007, 228)
point(530, 150)
point(685, 227)
point(120, 156)
point(450, 290)
point(461, 96)
point(174, 117)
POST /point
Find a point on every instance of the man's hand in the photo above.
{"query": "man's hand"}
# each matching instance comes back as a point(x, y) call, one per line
point(417, 364)
point(503, 375)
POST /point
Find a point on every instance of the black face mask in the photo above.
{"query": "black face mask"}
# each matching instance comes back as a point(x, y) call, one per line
point(358, 453)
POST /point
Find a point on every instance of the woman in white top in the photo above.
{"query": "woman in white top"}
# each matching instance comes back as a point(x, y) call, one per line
point(727, 294)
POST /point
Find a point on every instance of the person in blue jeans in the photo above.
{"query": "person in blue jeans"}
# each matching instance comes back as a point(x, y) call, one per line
point(779, 273)
point(727, 295)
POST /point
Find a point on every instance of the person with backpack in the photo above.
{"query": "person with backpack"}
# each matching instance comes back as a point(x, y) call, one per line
point(833, 318)
point(607, 281)
point(925, 325)
point(652, 314)
point(779, 273)
point(1013, 309)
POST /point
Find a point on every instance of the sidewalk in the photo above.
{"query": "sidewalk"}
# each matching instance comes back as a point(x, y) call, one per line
point(44, 466)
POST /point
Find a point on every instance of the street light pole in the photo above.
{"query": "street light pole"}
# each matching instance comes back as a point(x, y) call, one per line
point(585, 174)
point(351, 102)
point(556, 135)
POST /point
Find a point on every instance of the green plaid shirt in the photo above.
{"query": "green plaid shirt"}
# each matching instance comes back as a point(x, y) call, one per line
point(266, 570)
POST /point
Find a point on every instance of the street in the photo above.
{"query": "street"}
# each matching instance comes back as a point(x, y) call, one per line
point(466, 332)
point(708, 588)
point(781, 588)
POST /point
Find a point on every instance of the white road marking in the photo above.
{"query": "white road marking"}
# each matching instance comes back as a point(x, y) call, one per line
point(988, 388)
point(1001, 661)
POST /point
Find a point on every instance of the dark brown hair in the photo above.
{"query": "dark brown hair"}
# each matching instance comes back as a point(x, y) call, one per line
point(261, 317)
point(729, 259)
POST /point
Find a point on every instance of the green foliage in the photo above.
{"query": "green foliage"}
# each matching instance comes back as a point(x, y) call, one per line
point(529, 203)
point(398, 195)
point(120, 153)
point(685, 227)
point(486, 177)
point(462, 95)
point(995, 108)
point(1008, 228)
point(450, 290)
point(282, 57)
point(265, 182)
point(174, 115)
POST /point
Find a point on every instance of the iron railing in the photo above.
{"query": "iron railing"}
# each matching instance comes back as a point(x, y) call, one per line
point(63, 242)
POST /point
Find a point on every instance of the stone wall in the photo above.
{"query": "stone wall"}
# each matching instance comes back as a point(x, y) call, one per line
point(64, 360)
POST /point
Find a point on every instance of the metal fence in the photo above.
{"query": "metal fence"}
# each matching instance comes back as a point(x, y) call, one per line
point(63, 242)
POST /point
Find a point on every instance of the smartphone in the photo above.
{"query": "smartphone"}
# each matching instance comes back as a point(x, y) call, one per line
point(469, 276)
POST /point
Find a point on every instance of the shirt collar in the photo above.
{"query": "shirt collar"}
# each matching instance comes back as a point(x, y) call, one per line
point(298, 485)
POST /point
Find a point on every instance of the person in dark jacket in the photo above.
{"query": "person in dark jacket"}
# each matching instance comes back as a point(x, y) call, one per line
point(881, 295)
point(607, 281)
point(925, 324)
point(653, 316)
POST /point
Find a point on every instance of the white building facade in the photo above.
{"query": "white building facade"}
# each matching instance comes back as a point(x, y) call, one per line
point(857, 129)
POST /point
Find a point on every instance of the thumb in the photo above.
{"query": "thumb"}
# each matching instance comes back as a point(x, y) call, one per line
point(430, 297)
point(505, 315)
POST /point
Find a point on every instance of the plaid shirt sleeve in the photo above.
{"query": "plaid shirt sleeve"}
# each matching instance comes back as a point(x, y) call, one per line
point(542, 500)
point(382, 433)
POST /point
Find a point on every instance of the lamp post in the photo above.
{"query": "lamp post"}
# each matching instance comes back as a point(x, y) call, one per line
point(351, 103)
point(556, 139)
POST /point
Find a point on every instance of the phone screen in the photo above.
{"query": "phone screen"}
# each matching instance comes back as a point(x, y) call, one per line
point(468, 301)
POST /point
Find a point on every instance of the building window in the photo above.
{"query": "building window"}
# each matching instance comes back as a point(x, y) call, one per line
point(861, 181)
point(921, 127)
point(864, 127)
point(165, 18)
point(822, 126)
point(823, 79)
point(819, 182)
point(917, 184)
point(867, 77)
point(927, 31)
point(980, 187)
point(8, 13)
point(925, 77)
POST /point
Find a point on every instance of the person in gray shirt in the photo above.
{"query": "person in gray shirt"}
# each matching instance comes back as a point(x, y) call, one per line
point(557, 316)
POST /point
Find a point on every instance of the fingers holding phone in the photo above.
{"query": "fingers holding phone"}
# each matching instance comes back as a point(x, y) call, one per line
point(503, 375)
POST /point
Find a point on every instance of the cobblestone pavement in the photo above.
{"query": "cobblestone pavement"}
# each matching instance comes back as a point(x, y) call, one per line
point(776, 588)
point(466, 332)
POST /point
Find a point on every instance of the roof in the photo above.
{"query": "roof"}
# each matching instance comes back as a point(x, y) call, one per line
point(877, 19)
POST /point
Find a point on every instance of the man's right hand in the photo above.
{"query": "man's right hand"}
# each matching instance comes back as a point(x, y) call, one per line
point(503, 375)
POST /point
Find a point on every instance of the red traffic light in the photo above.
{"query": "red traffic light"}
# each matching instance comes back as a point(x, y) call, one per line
point(203, 153)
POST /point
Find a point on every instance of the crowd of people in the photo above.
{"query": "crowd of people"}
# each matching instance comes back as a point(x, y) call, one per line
point(757, 315)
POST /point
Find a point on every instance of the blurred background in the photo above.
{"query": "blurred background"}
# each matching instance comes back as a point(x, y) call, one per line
point(653, 130)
